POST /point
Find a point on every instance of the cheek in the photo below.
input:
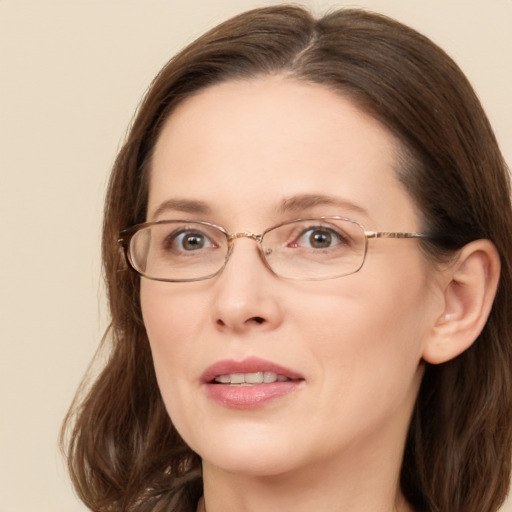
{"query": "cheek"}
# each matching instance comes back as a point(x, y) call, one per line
point(172, 322)
point(171, 318)
point(371, 332)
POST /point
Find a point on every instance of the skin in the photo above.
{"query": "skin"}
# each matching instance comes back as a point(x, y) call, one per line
point(242, 148)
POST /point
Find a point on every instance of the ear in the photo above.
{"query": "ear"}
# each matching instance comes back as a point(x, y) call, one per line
point(470, 286)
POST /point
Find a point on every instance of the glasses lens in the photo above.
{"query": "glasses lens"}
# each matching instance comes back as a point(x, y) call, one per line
point(178, 251)
point(315, 248)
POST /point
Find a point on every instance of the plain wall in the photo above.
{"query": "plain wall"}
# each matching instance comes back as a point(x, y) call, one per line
point(71, 75)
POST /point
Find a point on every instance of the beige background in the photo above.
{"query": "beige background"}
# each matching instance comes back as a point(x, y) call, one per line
point(71, 75)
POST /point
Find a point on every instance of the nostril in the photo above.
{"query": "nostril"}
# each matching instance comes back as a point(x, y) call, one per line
point(253, 320)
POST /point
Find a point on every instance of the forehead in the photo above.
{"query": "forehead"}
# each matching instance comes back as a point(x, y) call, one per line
point(243, 146)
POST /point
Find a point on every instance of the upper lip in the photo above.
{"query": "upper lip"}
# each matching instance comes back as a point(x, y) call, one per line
point(248, 365)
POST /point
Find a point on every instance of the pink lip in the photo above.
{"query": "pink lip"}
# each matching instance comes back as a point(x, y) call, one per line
point(249, 365)
point(253, 396)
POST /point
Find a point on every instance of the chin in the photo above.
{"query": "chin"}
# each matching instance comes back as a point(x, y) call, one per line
point(262, 464)
point(261, 454)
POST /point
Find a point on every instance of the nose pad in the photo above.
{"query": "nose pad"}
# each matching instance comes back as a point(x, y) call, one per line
point(246, 291)
point(256, 238)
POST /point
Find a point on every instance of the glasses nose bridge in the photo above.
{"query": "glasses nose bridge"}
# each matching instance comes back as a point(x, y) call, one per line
point(244, 234)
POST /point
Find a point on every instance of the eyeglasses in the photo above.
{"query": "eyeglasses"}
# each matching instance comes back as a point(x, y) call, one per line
point(305, 249)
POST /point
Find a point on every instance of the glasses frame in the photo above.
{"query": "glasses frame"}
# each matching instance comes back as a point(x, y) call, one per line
point(126, 235)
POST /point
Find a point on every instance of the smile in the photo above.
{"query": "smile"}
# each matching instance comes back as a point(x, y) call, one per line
point(250, 383)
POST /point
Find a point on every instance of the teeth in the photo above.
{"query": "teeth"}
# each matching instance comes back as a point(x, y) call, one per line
point(237, 378)
point(254, 378)
point(269, 377)
point(251, 378)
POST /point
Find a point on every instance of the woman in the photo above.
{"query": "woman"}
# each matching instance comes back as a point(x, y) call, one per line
point(321, 218)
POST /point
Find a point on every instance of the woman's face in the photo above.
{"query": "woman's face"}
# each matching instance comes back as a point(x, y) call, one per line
point(247, 155)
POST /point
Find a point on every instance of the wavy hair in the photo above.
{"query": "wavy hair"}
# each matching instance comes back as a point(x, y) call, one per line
point(124, 453)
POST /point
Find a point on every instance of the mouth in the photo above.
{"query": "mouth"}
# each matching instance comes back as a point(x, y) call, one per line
point(250, 379)
point(249, 371)
point(250, 383)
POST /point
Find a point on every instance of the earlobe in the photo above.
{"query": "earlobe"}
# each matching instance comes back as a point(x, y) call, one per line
point(470, 287)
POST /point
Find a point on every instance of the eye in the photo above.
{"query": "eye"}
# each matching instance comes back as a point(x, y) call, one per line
point(319, 237)
point(188, 240)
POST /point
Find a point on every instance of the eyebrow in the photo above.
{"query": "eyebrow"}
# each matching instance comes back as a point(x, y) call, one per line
point(183, 205)
point(303, 202)
point(294, 204)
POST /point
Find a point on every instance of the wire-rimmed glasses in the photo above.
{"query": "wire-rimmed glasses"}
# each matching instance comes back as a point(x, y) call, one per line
point(305, 249)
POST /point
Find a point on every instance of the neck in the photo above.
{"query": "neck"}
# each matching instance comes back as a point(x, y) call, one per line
point(330, 490)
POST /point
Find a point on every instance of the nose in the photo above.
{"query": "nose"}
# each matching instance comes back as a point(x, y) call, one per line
point(246, 294)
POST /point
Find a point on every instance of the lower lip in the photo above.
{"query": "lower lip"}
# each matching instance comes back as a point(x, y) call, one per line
point(250, 397)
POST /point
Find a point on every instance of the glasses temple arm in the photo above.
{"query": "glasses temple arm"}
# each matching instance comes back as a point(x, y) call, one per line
point(388, 234)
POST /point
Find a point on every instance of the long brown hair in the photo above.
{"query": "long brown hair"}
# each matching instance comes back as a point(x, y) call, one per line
point(123, 451)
